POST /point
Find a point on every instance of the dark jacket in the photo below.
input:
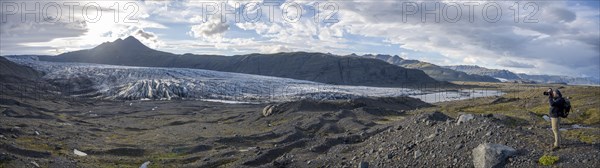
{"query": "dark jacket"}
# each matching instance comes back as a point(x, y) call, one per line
point(557, 105)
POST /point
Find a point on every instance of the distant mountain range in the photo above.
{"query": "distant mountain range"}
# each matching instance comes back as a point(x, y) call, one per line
point(434, 71)
point(506, 75)
point(318, 67)
point(477, 70)
point(357, 70)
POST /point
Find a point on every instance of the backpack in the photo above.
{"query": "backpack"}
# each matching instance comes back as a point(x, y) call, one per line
point(566, 108)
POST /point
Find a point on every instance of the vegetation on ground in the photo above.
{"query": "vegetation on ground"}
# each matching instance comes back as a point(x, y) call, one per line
point(548, 160)
point(526, 105)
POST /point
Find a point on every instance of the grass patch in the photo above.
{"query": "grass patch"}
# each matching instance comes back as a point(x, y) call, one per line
point(529, 99)
point(548, 160)
point(588, 135)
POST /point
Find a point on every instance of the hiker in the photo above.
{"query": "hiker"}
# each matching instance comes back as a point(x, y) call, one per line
point(556, 107)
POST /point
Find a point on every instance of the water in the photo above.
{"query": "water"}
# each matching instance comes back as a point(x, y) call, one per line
point(435, 97)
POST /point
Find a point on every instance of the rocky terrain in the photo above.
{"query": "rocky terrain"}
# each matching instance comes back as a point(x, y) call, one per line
point(364, 132)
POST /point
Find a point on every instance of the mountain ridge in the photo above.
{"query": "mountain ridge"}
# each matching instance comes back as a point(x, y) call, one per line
point(515, 77)
point(318, 67)
point(435, 71)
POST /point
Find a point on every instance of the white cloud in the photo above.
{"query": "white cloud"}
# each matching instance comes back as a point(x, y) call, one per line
point(212, 28)
point(274, 49)
point(562, 32)
point(563, 41)
point(513, 64)
point(75, 31)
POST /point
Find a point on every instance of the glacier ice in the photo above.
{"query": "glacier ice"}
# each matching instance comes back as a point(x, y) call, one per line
point(156, 83)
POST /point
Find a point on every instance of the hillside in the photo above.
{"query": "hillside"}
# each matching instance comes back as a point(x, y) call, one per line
point(13, 70)
point(434, 71)
point(477, 70)
point(317, 67)
point(511, 76)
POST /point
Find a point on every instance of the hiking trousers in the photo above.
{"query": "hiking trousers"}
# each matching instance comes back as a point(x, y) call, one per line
point(555, 130)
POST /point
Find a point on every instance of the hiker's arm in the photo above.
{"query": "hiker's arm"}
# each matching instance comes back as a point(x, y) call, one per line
point(558, 102)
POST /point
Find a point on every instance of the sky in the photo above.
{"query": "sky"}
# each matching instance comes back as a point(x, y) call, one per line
point(536, 37)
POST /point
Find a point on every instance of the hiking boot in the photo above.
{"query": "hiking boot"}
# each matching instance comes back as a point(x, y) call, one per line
point(555, 148)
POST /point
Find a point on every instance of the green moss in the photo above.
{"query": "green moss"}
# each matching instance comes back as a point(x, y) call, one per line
point(589, 136)
point(548, 160)
point(169, 155)
point(592, 116)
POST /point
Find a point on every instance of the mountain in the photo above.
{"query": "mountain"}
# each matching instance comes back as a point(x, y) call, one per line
point(561, 79)
point(477, 70)
point(318, 67)
point(506, 75)
point(434, 71)
point(11, 70)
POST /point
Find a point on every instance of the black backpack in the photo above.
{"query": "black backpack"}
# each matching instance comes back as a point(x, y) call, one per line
point(566, 108)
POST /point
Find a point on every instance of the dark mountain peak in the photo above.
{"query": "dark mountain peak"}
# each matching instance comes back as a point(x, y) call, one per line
point(129, 43)
point(131, 39)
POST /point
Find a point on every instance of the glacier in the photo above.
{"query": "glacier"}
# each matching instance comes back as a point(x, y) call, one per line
point(114, 82)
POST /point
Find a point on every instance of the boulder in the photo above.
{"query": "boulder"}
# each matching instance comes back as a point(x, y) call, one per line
point(546, 118)
point(491, 155)
point(464, 118)
point(268, 110)
point(433, 116)
point(363, 165)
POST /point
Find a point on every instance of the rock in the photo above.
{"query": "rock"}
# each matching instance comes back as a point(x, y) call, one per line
point(464, 118)
point(4, 157)
point(399, 127)
point(491, 155)
point(417, 154)
point(432, 136)
point(145, 164)
point(35, 164)
point(15, 129)
point(432, 116)
point(79, 153)
point(546, 118)
point(459, 146)
point(363, 165)
point(268, 110)
point(500, 117)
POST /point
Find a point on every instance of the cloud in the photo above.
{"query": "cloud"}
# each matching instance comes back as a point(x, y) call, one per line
point(145, 34)
point(563, 36)
point(513, 64)
point(72, 31)
point(274, 49)
point(563, 39)
point(213, 27)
